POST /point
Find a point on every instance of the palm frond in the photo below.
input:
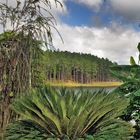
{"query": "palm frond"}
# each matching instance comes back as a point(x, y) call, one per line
point(73, 114)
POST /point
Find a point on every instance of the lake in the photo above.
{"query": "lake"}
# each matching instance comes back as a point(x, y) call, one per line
point(93, 89)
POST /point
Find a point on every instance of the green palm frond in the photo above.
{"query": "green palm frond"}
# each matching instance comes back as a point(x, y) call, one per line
point(73, 114)
point(116, 130)
point(26, 130)
point(132, 61)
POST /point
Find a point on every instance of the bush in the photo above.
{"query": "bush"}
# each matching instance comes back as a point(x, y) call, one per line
point(69, 115)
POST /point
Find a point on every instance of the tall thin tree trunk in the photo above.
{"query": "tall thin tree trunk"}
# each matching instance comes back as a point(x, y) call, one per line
point(30, 61)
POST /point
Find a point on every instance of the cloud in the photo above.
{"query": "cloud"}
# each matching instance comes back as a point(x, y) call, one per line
point(116, 43)
point(91, 3)
point(129, 9)
point(57, 9)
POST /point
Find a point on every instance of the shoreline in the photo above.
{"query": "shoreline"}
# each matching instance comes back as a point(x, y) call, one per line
point(96, 84)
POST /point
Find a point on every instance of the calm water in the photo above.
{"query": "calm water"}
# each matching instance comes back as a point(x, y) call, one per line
point(93, 89)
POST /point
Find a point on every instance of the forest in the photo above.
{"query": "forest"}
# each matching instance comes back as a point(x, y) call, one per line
point(76, 67)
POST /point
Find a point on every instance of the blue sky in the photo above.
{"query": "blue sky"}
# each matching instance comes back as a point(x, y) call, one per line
point(82, 15)
point(78, 14)
point(108, 29)
point(105, 28)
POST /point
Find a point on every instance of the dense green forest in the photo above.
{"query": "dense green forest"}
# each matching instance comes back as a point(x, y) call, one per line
point(77, 67)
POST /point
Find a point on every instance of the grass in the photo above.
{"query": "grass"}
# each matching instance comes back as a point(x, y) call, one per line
point(74, 84)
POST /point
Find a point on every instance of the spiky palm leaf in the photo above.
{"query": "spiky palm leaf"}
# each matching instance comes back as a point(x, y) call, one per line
point(132, 61)
point(72, 114)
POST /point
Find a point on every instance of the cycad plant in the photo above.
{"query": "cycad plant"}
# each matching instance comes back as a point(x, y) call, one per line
point(69, 115)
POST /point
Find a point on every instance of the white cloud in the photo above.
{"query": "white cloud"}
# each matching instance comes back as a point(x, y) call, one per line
point(91, 3)
point(57, 9)
point(130, 9)
point(115, 43)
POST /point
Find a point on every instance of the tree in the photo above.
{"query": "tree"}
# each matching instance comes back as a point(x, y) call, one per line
point(31, 23)
point(81, 68)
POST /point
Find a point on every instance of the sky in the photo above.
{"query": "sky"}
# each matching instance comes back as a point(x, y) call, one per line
point(105, 28)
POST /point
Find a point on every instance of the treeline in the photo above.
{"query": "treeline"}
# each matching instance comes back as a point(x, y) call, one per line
point(76, 67)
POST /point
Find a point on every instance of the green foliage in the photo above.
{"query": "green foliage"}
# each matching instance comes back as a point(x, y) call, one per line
point(128, 88)
point(132, 61)
point(70, 115)
point(6, 35)
point(130, 75)
point(82, 68)
point(126, 73)
point(135, 106)
point(38, 68)
point(132, 111)
point(29, 17)
point(138, 47)
point(25, 130)
point(30, 23)
point(117, 130)
point(15, 60)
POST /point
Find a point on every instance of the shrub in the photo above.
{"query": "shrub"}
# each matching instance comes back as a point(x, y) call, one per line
point(69, 115)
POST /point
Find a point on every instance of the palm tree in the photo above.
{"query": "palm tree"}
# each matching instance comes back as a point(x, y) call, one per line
point(69, 115)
